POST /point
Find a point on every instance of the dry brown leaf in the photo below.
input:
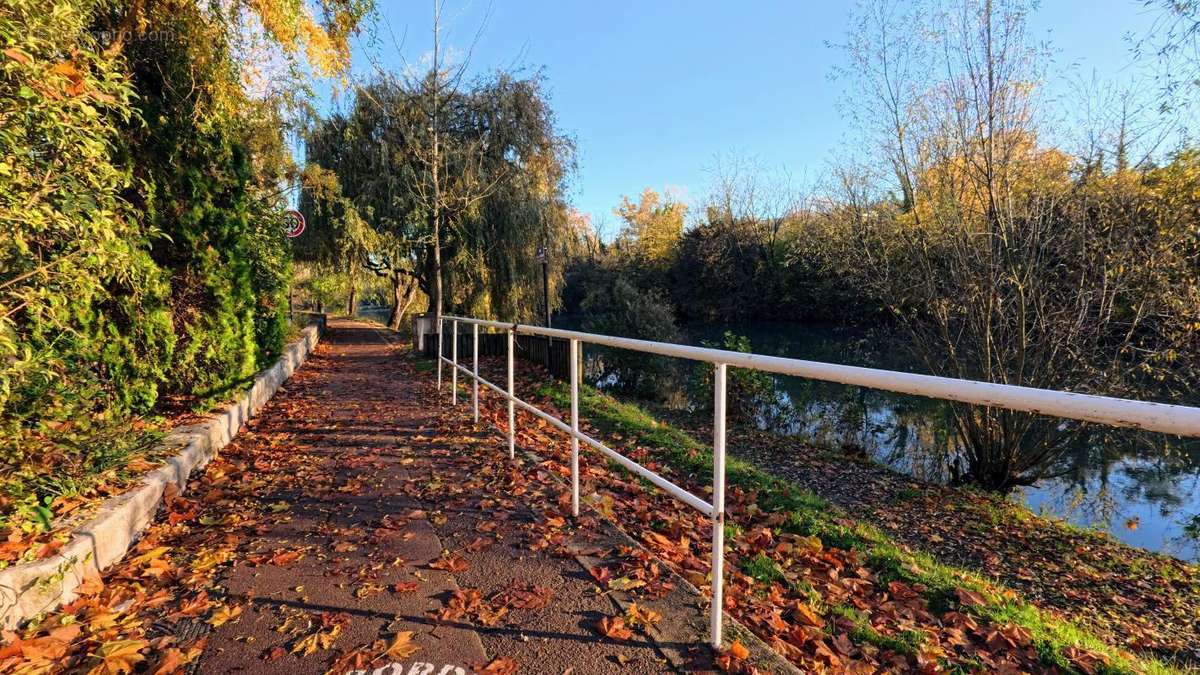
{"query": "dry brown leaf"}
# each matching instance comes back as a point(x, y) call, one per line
point(614, 627)
point(500, 666)
point(969, 598)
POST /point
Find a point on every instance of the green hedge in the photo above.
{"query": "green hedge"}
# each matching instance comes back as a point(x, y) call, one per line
point(141, 251)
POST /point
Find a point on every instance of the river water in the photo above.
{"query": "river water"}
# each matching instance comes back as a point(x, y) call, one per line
point(1143, 489)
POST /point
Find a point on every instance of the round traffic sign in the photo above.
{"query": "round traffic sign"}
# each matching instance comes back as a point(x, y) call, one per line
point(293, 223)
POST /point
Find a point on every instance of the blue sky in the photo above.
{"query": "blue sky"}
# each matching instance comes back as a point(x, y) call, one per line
point(653, 92)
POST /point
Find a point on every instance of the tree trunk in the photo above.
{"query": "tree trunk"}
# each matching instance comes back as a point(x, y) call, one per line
point(437, 196)
point(403, 295)
point(352, 301)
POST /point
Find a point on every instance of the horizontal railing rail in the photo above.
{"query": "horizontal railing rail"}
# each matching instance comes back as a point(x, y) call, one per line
point(1161, 417)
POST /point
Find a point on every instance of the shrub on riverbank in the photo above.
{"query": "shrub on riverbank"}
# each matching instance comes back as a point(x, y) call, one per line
point(620, 308)
point(749, 394)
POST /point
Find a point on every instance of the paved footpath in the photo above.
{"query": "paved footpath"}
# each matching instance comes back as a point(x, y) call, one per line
point(385, 513)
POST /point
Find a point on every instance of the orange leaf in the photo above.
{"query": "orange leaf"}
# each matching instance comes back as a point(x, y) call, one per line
point(614, 627)
point(66, 68)
point(171, 662)
point(739, 651)
point(16, 55)
point(402, 646)
point(92, 585)
point(285, 558)
point(48, 549)
point(453, 564)
point(805, 615)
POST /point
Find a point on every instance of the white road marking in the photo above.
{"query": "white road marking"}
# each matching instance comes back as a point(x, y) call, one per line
point(417, 668)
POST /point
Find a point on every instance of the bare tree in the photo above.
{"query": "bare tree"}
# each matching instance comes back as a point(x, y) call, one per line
point(889, 55)
point(1172, 46)
point(998, 266)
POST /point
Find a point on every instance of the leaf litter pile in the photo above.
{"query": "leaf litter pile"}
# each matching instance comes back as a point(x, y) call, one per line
point(167, 605)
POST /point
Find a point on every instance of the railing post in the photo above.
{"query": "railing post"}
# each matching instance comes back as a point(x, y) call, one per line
point(439, 353)
point(512, 415)
point(573, 354)
point(454, 362)
point(718, 503)
point(475, 370)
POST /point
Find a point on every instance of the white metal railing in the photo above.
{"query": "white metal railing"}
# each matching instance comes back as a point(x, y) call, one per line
point(1161, 417)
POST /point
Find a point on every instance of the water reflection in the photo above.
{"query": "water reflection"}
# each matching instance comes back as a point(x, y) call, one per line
point(1142, 488)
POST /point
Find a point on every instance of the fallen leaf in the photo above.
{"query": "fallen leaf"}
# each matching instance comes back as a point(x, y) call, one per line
point(500, 666)
point(152, 554)
point(451, 563)
point(625, 584)
point(119, 656)
point(172, 661)
point(16, 55)
point(224, 614)
point(402, 646)
point(969, 598)
point(739, 651)
point(322, 639)
point(614, 627)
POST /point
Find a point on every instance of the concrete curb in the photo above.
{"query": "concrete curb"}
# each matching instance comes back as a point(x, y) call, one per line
point(41, 586)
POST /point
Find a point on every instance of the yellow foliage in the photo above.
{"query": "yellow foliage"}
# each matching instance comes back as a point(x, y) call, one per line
point(653, 225)
point(289, 24)
point(956, 185)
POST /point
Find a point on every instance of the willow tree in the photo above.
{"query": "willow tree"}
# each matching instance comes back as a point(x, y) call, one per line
point(501, 168)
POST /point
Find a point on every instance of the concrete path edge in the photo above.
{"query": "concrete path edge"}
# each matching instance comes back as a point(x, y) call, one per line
point(33, 588)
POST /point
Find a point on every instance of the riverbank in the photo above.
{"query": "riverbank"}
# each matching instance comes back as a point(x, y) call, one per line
point(1085, 603)
point(1130, 597)
point(1141, 488)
